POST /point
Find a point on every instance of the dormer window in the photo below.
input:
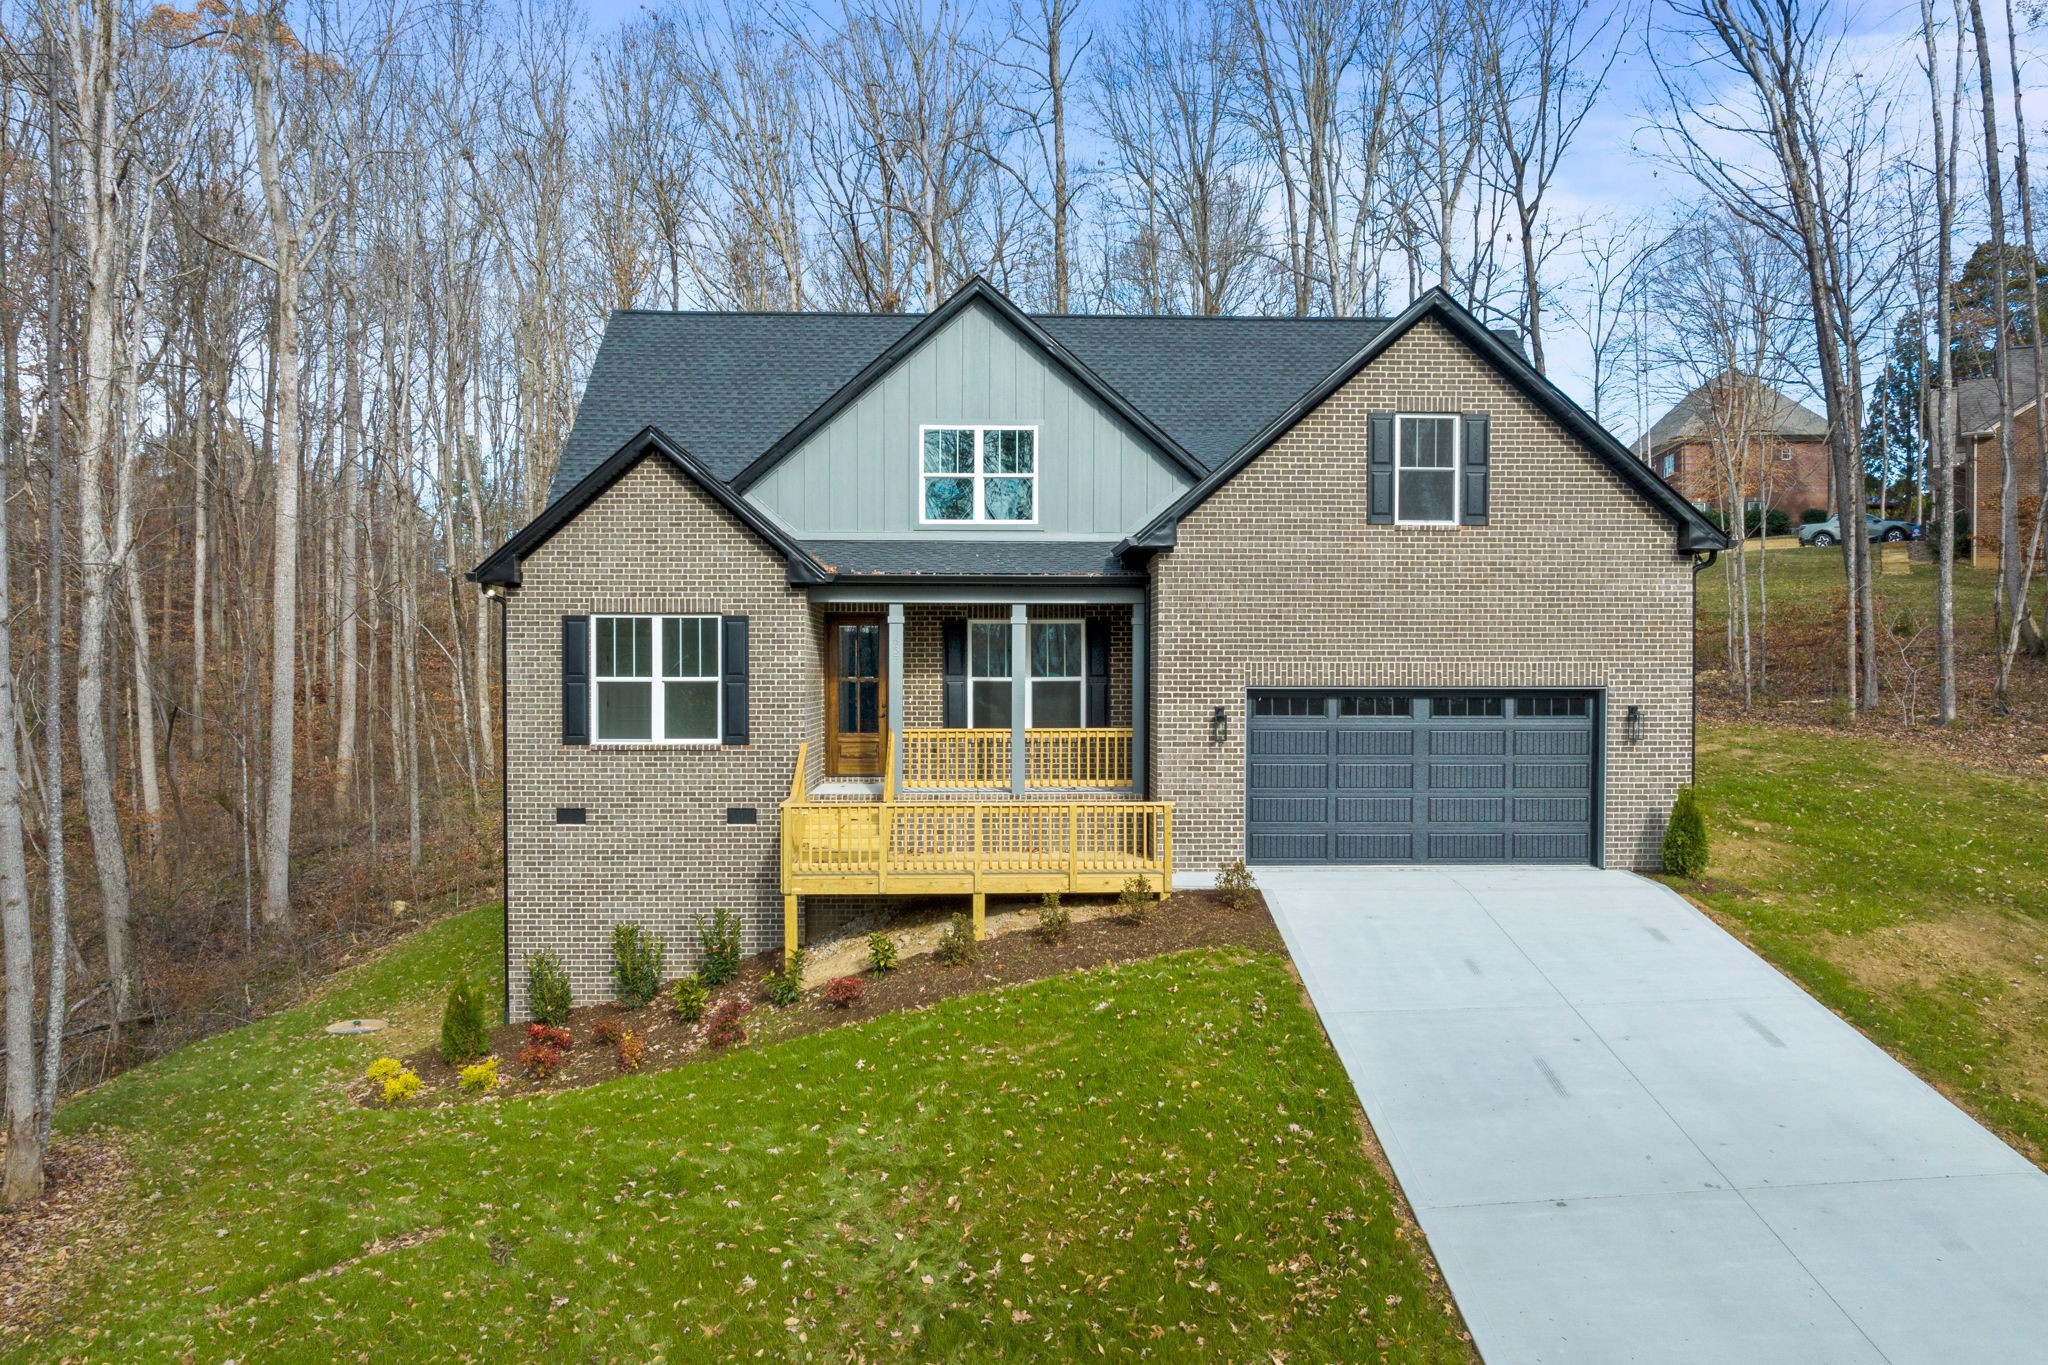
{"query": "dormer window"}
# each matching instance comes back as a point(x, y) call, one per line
point(979, 475)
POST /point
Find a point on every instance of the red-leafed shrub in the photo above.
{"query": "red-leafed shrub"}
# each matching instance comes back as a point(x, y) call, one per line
point(632, 1050)
point(545, 1035)
point(725, 1028)
point(539, 1060)
point(608, 1032)
point(845, 991)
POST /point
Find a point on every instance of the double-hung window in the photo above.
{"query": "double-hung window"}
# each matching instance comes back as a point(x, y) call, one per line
point(988, 675)
point(1056, 674)
point(655, 679)
point(979, 474)
point(1426, 471)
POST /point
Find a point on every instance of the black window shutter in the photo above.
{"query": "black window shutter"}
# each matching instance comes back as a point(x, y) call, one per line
point(575, 680)
point(1097, 639)
point(953, 635)
point(733, 663)
point(1478, 468)
point(1380, 469)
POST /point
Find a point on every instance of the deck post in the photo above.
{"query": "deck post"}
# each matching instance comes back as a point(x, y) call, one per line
point(1138, 692)
point(980, 916)
point(894, 731)
point(1020, 694)
point(788, 927)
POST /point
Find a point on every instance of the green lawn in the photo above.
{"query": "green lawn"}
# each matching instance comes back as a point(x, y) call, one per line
point(1908, 892)
point(1159, 1160)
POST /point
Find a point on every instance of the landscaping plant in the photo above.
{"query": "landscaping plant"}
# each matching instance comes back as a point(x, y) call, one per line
point(845, 991)
point(882, 955)
point(547, 987)
point(725, 1029)
point(1136, 900)
point(1234, 883)
point(691, 998)
point(1685, 838)
point(480, 1078)
point(719, 942)
point(957, 946)
point(784, 986)
point(539, 1060)
point(636, 964)
point(395, 1080)
point(607, 1032)
point(632, 1050)
point(465, 1023)
point(548, 1035)
point(1054, 922)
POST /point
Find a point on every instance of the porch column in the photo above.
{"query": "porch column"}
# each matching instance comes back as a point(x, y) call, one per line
point(895, 721)
point(1138, 718)
point(1020, 693)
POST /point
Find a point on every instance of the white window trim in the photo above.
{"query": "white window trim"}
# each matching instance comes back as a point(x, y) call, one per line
point(656, 679)
point(980, 429)
point(1457, 469)
point(1030, 700)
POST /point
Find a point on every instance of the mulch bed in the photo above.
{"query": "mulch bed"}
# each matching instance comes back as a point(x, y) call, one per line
point(1186, 919)
point(80, 1209)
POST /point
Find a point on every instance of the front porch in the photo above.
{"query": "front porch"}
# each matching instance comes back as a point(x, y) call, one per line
point(1031, 781)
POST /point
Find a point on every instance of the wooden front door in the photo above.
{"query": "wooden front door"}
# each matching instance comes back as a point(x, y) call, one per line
point(856, 696)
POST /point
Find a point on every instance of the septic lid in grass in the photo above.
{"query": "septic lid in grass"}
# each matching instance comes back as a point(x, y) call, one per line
point(341, 1026)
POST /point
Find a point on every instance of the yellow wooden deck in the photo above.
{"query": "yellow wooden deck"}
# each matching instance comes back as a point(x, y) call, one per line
point(933, 847)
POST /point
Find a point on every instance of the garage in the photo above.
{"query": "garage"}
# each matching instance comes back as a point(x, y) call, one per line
point(1381, 776)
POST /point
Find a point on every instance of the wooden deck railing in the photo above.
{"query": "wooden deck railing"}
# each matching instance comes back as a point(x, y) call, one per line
point(937, 759)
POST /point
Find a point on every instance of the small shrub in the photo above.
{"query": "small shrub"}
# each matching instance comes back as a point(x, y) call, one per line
point(957, 947)
point(539, 1060)
point(636, 964)
point(547, 987)
point(1813, 516)
point(481, 1077)
point(632, 1050)
point(726, 1028)
point(607, 1032)
point(719, 942)
point(1685, 838)
point(1234, 883)
point(547, 1035)
point(1054, 923)
point(465, 1023)
point(401, 1084)
point(1136, 900)
point(383, 1069)
point(882, 954)
point(784, 986)
point(691, 998)
point(845, 991)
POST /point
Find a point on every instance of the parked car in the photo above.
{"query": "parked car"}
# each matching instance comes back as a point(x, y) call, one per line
point(1829, 532)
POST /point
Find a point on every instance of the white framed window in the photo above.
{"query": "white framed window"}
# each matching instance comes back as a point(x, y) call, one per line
point(1670, 464)
point(988, 675)
point(978, 475)
point(1426, 470)
point(1058, 674)
point(654, 680)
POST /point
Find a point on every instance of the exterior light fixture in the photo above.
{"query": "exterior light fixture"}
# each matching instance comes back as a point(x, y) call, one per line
point(1632, 725)
point(1219, 726)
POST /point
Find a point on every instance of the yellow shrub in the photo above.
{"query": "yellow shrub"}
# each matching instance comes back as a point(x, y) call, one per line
point(403, 1086)
point(383, 1069)
point(481, 1077)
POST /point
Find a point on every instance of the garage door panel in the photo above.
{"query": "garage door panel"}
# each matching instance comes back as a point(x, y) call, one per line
point(1454, 777)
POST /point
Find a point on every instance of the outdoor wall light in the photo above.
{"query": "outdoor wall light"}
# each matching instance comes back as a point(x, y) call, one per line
point(1219, 726)
point(1632, 725)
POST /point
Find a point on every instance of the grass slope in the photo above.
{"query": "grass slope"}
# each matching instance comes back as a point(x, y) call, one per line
point(1157, 1160)
point(1908, 893)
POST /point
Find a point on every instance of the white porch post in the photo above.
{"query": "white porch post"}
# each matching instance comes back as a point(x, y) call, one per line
point(1138, 718)
point(1020, 695)
point(895, 720)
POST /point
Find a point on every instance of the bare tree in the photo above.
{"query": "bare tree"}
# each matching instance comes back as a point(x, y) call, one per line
point(1945, 113)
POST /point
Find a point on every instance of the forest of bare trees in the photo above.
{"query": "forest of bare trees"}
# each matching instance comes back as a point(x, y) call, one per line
point(297, 297)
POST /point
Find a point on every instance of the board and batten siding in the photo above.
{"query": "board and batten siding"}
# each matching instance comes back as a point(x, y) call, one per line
point(858, 475)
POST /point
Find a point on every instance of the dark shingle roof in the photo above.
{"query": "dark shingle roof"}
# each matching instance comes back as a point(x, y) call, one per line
point(727, 386)
point(1777, 415)
point(1977, 399)
point(967, 558)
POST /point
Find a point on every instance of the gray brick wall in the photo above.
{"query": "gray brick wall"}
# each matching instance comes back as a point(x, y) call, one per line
point(1278, 580)
point(656, 849)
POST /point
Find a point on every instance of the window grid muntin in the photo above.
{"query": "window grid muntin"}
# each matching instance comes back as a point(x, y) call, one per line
point(997, 462)
point(660, 652)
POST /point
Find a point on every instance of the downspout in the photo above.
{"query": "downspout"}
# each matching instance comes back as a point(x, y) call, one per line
point(497, 593)
point(1700, 565)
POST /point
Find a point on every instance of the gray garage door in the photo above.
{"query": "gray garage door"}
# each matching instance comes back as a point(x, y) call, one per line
point(1420, 777)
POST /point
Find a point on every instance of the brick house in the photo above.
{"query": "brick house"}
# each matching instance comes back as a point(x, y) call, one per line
point(1779, 445)
point(1980, 474)
point(829, 609)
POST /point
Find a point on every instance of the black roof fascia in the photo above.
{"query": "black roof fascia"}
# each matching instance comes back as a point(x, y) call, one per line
point(503, 565)
point(1695, 532)
point(975, 290)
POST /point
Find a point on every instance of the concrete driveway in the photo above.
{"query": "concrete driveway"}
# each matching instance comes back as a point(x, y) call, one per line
point(1629, 1139)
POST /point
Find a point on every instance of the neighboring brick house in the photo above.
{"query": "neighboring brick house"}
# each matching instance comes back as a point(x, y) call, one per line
point(1980, 473)
point(1779, 445)
point(829, 610)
